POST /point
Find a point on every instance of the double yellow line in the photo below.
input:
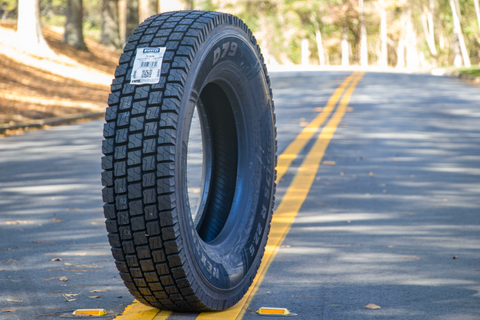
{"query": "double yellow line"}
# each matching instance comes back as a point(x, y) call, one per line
point(291, 203)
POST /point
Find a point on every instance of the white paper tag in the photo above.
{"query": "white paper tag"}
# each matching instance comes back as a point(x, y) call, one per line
point(147, 65)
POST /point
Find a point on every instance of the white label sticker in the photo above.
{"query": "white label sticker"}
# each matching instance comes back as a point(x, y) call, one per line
point(147, 66)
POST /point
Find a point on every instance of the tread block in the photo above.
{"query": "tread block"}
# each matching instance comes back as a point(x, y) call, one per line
point(169, 120)
point(126, 103)
point(134, 157)
point(132, 260)
point(135, 191)
point(111, 113)
point(139, 282)
point(128, 247)
point(120, 152)
point(117, 253)
point(149, 196)
point(153, 113)
point(165, 153)
point(120, 169)
point(149, 146)
point(147, 265)
point(151, 212)
point(121, 136)
point(126, 277)
point(167, 136)
point(179, 273)
point(151, 277)
point(130, 285)
point(159, 256)
point(162, 269)
point(136, 124)
point(136, 272)
point(135, 207)
point(123, 119)
point(107, 178)
point(160, 295)
point(108, 146)
point(165, 169)
point(128, 89)
point(174, 90)
point(109, 211)
point(155, 98)
point(155, 243)
point(167, 280)
point(143, 252)
point(173, 247)
point(146, 292)
point(148, 163)
point(135, 141)
point(109, 129)
point(107, 195)
point(171, 104)
point(121, 185)
point(114, 98)
point(170, 233)
point(141, 92)
point(166, 201)
point(139, 107)
point(125, 233)
point(168, 218)
point(153, 228)
point(138, 223)
point(121, 266)
point(140, 238)
point(111, 226)
point(107, 162)
point(123, 218)
point(165, 185)
point(134, 174)
point(149, 180)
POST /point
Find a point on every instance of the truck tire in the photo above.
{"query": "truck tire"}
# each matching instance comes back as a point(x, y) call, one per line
point(178, 247)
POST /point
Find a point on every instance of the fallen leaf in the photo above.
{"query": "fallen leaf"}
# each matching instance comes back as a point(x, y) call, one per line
point(74, 209)
point(50, 279)
point(342, 174)
point(63, 279)
point(10, 310)
point(12, 300)
point(367, 194)
point(371, 174)
point(362, 157)
point(413, 258)
point(445, 200)
point(94, 297)
point(10, 249)
point(303, 124)
point(10, 261)
point(371, 306)
point(384, 191)
point(98, 222)
point(455, 257)
point(395, 159)
point(412, 176)
point(329, 163)
point(56, 220)
point(5, 269)
point(20, 222)
point(349, 109)
point(343, 124)
point(9, 280)
point(69, 295)
point(318, 109)
point(57, 259)
point(99, 290)
point(43, 242)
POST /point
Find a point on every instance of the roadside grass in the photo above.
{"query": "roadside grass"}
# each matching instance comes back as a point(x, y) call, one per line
point(473, 71)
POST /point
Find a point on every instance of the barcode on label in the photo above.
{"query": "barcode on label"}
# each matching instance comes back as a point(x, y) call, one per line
point(148, 64)
point(146, 74)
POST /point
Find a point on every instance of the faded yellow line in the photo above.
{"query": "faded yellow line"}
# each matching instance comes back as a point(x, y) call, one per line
point(297, 145)
point(139, 311)
point(289, 207)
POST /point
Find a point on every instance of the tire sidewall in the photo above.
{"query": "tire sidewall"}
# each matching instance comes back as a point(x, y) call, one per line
point(229, 264)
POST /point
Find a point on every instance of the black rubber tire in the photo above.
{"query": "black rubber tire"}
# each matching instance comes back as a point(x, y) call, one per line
point(165, 260)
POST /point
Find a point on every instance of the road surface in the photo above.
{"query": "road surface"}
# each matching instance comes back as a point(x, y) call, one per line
point(392, 216)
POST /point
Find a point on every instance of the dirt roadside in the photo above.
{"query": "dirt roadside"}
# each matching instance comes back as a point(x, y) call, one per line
point(38, 91)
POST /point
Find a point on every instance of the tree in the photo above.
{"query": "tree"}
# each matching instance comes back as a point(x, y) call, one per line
point(110, 34)
point(189, 4)
point(148, 8)
point(458, 32)
point(73, 34)
point(29, 29)
point(477, 11)
point(363, 36)
point(345, 49)
point(383, 61)
point(427, 23)
point(132, 18)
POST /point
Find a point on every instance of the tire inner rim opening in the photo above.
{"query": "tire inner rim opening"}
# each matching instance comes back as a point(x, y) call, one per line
point(211, 168)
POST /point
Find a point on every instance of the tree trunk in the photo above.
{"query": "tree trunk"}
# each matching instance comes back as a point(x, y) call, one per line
point(73, 34)
point(122, 19)
point(132, 18)
point(363, 37)
point(401, 44)
point(110, 35)
point(190, 4)
point(147, 8)
point(477, 11)
point(29, 28)
point(411, 45)
point(458, 31)
point(305, 53)
point(427, 24)
point(318, 38)
point(383, 36)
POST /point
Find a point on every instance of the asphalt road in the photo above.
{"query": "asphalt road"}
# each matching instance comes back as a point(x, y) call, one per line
point(381, 226)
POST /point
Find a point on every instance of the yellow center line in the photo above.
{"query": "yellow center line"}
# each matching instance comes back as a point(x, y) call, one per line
point(289, 207)
point(297, 145)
